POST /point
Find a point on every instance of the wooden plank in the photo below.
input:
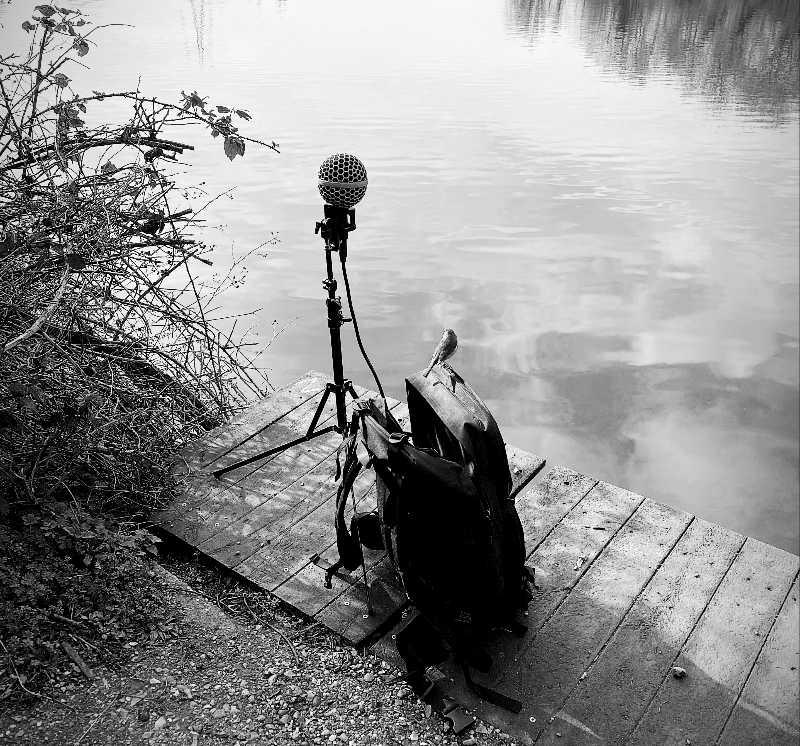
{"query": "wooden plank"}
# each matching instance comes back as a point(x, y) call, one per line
point(320, 523)
point(560, 561)
point(288, 550)
point(180, 518)
point(608, 703)
point(183, 517)
point(256, 418)
point(307, 469)
point(547, 502)
point(767, 710)
point(303, 587)
point(347, 614)
point(721, 651)
point(524, 466)
point(554, 660)
point(302, 590)
point(541, 509)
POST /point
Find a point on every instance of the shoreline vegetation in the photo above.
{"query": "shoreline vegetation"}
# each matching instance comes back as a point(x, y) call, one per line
point(109, 359)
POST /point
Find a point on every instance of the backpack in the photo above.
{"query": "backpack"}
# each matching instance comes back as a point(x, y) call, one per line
point(446, 520)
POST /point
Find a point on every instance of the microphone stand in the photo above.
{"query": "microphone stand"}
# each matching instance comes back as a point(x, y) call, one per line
point(335, 226)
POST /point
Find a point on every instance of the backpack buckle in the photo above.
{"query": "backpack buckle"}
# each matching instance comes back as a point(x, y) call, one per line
point(452, 711)
point(397, 438)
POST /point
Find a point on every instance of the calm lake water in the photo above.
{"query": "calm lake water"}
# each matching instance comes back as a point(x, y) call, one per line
point(599, 196)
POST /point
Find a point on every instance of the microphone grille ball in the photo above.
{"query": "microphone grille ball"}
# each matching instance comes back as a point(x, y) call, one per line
point(342, 180)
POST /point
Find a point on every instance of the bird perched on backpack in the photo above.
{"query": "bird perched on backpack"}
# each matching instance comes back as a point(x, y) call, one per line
point(446, 348)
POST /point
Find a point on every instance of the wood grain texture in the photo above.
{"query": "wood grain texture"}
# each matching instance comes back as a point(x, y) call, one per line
point(551, 665)
point(524, 466)
point(256, 418)
point(719, 654)
point(621, 681)
point(767, 711)
point(189, 518)
point(560, 561)
point(348, 615)
point(285, 488)
point(543, 505)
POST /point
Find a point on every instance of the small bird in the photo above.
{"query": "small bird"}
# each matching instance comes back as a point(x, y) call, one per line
point(446, 348)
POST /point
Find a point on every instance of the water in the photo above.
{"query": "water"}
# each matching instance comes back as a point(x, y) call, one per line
point(600, 197)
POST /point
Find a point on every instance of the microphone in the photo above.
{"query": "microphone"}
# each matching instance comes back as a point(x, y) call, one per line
point(342, 180)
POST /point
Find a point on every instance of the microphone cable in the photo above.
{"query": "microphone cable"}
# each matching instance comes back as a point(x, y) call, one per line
point(355, 327)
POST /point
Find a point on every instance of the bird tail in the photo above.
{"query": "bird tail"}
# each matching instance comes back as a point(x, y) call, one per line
point(429, 369)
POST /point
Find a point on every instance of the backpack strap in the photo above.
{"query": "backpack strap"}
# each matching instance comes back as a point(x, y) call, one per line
point(421, 646)
point(490, 695)
point(347, 542)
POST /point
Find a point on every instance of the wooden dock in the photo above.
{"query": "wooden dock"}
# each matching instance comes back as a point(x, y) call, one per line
point(627, 588)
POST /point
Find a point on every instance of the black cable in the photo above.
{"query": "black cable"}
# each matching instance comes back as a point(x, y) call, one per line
point(355, 327)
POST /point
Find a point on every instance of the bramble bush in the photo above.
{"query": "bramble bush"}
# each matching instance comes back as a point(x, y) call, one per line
point(108, 360)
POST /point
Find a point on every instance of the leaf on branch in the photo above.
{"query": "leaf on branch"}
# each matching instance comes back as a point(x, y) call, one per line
point(45, 10)
point(75, 262)
point(61, 80)
point(81, 46)
point(100, 95)
point(28, 26)
point(81, 22)
point(234, 146)
point(76, 122)
point(108, 168)
point(243, 114)
point(223, 109)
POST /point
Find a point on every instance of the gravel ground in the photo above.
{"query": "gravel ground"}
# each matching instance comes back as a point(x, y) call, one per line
point(230, 680)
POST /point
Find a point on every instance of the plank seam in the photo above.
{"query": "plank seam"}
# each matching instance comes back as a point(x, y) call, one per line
point(646, 708)
point(755, 660)
point(283, 489)
point(553, 527)
point(260, 464)
point(613, 633)
point(269, 424)
point(584, 569)
point(227, 486)
point(327, 547)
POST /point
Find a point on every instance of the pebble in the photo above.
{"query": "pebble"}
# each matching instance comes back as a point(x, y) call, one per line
point(218, 714)
point(369, 676)
point(468, 742)
point(160, 723)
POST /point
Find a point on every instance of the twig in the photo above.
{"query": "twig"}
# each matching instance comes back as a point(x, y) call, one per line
point(274, 629)
point(302, 631)
point(77, 660)
point(46, 314)
point(67, 619)
point(28, 691)
point(85, 642)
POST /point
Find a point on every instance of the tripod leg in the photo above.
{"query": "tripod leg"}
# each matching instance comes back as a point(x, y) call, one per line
point(348, 387)
point(329, 388)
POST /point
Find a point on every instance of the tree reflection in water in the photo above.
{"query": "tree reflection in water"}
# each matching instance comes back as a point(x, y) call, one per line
point(734, 52)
